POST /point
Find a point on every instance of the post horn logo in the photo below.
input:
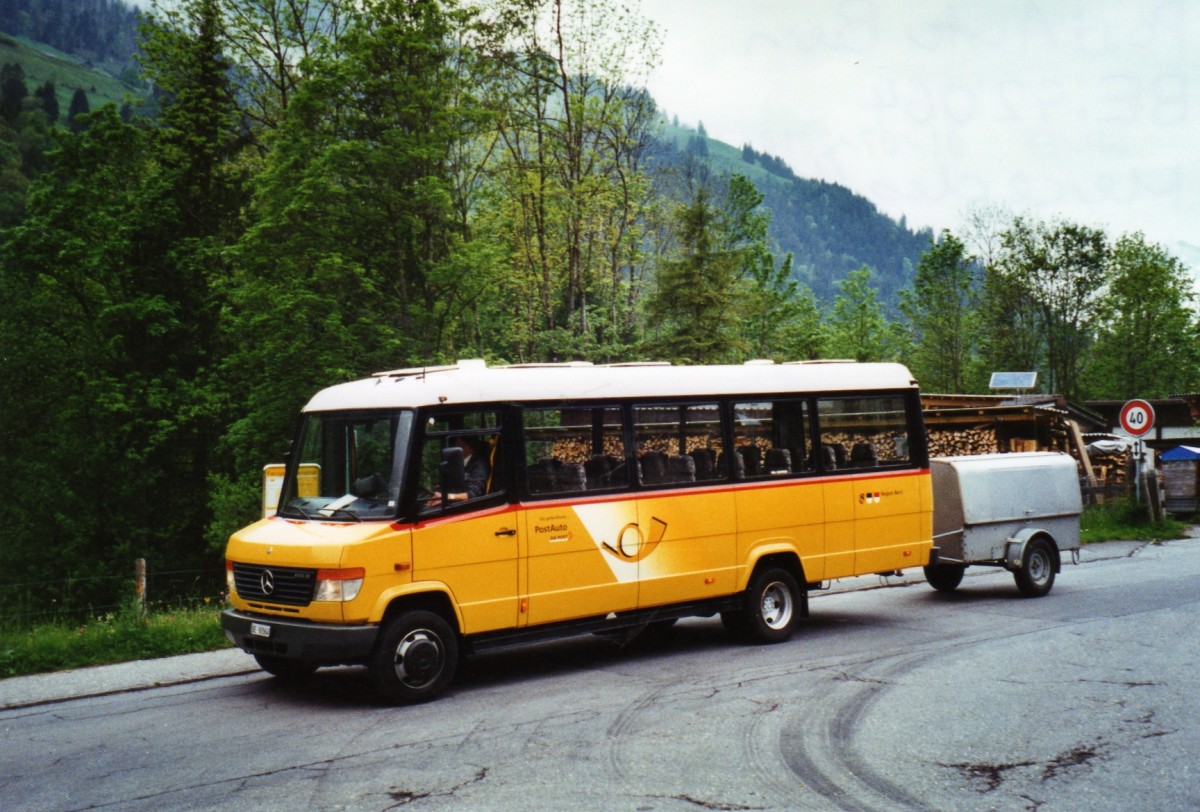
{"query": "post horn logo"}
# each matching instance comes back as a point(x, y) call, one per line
point(631, 547)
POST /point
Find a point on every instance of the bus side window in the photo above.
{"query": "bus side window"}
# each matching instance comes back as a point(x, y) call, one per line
point(863, 432)
point(771, 438)
point(478, 435)
point(573, 450)
point(678, 443)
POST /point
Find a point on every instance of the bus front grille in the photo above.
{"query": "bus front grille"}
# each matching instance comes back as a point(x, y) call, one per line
point(282, 585)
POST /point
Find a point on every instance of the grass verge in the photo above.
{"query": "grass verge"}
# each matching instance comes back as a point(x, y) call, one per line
point(1126, 519)
point(115, 637)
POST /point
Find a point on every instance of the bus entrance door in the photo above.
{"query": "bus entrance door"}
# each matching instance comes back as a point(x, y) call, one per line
point(476, 556)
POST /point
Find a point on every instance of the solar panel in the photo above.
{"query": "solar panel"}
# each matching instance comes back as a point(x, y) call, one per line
point(1013, 380)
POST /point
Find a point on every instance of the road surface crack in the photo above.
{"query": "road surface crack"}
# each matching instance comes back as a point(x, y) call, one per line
point(403, 797)
point(992, 775)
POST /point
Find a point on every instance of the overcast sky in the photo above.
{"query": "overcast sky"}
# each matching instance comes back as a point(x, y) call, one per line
point(1084, 110)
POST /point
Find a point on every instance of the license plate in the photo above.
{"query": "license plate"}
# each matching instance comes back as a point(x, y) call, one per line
point(260, 630)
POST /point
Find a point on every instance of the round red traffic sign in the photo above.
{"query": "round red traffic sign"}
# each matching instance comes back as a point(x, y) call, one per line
point(1137, 417)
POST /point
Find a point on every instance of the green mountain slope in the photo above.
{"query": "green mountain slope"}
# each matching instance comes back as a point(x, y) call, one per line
point(828, 229)
point(43, 63)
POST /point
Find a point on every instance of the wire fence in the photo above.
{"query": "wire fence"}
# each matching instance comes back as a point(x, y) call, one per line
point(77, 599)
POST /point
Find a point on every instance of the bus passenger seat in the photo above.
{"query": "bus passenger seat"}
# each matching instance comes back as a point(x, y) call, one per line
point(706, 463)
point(778, 461)
point(599, 470)
point(829, 457)
point(739, 470)
point(543, 476)
point(751, 457)
point(654, 468)
point(571, 477)
point(863, 455)
point(681, 469)
point(800, 460)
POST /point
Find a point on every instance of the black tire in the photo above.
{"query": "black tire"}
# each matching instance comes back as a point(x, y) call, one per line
point(1036, 575)
point(415, 658)
point(945, 577)
point(284, 668)
point(772, 607)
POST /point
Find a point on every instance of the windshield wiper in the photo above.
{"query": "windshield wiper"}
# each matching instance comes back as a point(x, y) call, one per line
point(329, 513)
point(295, 509)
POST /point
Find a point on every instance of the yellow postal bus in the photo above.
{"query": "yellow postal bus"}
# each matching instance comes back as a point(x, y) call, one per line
point(433, 512)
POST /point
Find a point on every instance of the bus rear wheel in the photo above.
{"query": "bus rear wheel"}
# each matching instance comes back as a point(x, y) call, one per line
point(771, 608)
point(415, 658)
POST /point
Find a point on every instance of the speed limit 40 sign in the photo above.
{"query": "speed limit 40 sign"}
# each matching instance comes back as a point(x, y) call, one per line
point(1137, 417)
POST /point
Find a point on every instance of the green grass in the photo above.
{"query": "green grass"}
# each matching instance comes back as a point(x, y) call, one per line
point(42, 63)
point(116, 637)
point(1126, 519)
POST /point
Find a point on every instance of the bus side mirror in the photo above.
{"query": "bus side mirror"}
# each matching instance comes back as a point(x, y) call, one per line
point(453, 473)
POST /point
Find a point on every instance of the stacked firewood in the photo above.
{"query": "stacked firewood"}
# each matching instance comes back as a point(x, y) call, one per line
point(965, 443)
point(1111, 469)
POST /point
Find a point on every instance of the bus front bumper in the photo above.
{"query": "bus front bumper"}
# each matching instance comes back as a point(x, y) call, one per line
point(310, 642)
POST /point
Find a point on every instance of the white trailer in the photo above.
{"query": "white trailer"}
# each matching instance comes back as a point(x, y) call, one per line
point(1016, 511)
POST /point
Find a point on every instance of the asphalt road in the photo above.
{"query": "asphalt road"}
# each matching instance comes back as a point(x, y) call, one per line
point(897, 698)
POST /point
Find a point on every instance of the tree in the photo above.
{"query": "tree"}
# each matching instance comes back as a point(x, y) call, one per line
point(79, 108)
point(942, 312)
point(12, 91)
point(779, 316)
point(857, 326)
point(571, 189)
point(109, 415)
point(355, 259)
point(1147, 338)
point(1060, 269)
point(695, 301)
point(118, 263)
point(48, 96)
point(263, 43)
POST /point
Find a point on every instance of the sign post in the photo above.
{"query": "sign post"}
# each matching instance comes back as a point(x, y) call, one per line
point(1137, 418)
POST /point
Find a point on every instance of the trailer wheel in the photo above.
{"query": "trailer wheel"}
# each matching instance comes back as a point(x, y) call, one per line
point(945, 577)
point(415, 659)
point(1036, 575)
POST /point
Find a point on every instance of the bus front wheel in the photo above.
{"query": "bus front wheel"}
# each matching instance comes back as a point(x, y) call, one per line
point(772, 606)
point(415, 659)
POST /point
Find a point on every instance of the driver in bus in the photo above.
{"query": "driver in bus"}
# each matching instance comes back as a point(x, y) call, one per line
point(475, 467)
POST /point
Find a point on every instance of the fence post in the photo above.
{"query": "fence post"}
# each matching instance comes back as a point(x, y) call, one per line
point(139, 575)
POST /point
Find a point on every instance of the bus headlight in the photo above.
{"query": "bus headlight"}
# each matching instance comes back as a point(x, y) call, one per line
point(339, 585)
point(230, 584)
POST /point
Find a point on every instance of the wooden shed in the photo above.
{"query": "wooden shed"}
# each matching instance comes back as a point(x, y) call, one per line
point(1181, 480)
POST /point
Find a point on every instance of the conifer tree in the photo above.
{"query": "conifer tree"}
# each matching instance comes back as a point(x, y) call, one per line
point(48, 95)
point(80, 106)
point(12, 91)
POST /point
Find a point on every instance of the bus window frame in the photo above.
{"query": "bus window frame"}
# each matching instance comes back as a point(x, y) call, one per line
point(415, 508)
point(917, 445)
point(512, 464)
point(521, 490)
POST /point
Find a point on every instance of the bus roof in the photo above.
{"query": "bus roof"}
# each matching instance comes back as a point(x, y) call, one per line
point(474, 381)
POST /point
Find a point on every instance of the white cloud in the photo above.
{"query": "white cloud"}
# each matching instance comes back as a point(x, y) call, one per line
point(1083, 110)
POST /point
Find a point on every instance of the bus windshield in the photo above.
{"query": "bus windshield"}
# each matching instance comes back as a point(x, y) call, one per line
point(347, 466)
